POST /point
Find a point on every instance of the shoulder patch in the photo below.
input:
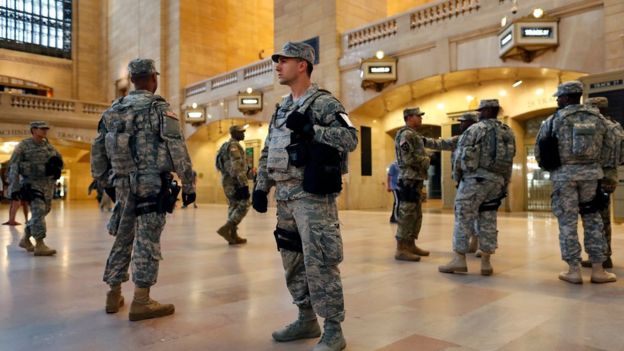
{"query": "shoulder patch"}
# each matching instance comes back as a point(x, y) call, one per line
point(343, 118)
point(405, 146)
point(171, 114)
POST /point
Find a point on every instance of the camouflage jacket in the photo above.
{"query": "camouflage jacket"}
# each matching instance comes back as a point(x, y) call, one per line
point(329, 119)
point(410, 155)
point(474, 152)
point(583, 141)
point(231, 162)
point(448, 144)
point(28, 164)
point(139, 136)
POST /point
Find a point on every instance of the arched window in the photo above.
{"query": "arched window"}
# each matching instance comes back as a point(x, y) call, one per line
point(38, 26)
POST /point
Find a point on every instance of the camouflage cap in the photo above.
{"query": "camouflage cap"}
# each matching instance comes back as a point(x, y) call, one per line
point(412, 111)
point(488, 103)
point(598, 102)
point(237, 128)
point(296, 50)
point(469, 116)
point(571, 87)
point(142, 67)
point(39, 125)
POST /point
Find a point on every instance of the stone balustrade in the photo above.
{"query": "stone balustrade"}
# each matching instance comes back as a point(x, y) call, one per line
point(25, 108)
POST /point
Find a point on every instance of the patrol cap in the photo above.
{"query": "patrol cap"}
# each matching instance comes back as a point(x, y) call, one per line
point(488, 103)
point(412, 111)
point(598, 102)
point(295, 50)
point(469, 116)
point(142, 67)
point(39, 125)
point(237, 128)
point(571, 87)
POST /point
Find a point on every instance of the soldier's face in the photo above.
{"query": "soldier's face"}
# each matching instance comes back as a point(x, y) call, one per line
point(289, 69)
point(40, 132)
point(463, 125)
point(562, 101)
point(414, 121)
point(238, 135)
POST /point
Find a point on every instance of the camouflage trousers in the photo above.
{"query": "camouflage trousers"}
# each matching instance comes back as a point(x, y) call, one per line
point(605, 214)
point(237, 209)
point(565, 204)
point(39, 209)
point(313, 277)
point(471, 194)
point(410, 216)
point(137, 240)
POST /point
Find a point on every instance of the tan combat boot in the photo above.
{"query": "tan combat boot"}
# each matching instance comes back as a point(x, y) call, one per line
point(332, 339)
point(415, 249)
point(26, 244)
point(236, 240)
point(486, 266)
point(114, 299)
point(600, 276)
point(473, 245)
point(403, 252)
point(457, 264)
point(41, 249)
point(143, 307)
point(573, 275)
point(305, 327)
point(226, 232)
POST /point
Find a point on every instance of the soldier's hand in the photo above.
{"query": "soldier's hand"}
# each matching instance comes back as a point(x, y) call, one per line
point(301, 125)
point(188, 198)
point(242, 193)
point(260, 201)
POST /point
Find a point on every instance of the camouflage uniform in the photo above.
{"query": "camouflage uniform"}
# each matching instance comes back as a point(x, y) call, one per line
point(413, 165)
point(576, 180)
point(233, 168)
point(28, 162)
point(610, 179)
point(478, 184)
point(139, 139)
point(312, 277)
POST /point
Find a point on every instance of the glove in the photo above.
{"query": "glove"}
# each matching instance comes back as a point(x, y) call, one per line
point(242, 193)
point(110, 191)
point(188, 199)
point(300, 124)
point(260, 201)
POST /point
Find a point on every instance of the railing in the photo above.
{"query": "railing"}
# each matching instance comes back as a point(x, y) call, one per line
point(13, 105)
point(412, 20)
point(442, 11)
point(238, 76)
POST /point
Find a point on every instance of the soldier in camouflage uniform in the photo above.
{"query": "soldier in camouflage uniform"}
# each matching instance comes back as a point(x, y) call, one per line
point(582, 138)
point(233, 167)
point(138, 145)
point(34, 168)
point(610, 180)
point(450, 144)
point(308, 232)
point(413, 165)
point(482, 166)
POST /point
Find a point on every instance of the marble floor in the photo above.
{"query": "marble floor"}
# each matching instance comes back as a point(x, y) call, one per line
point(232, 298)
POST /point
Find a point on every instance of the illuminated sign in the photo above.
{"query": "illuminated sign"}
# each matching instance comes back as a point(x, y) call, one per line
point(380, 69)
point(249, 101)
point(607, 84)
point(537, 32)
point(506, 39)
point(195, 115)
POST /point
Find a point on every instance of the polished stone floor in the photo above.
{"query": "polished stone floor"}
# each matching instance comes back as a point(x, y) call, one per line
point(232, 298)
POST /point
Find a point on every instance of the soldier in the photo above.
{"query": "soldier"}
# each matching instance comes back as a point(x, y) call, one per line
point(231, 163)
point(304, 157)
point(610, 180)
point(482, 166)
point(450, 144)
point(581, 140)
point(34, 168)
point(138, 145)
point(413, 165)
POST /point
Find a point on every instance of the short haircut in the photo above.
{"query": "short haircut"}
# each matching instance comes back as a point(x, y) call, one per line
point(309, 67)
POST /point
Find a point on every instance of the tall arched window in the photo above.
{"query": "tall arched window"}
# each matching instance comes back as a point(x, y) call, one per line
point(38, 26)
